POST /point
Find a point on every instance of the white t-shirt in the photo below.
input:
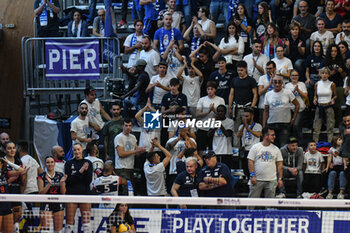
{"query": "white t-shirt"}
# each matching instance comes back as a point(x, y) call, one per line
point(152, 58)
point(279, 106)
point(261, 60)
point(323, 38)
point(206, 25)
point(135, 55)
point(346, 38)
point(146, 137)
point(282, 66)
point(222, 145)
point(191, 87)
point(313, 162)
point(248, 139)
point(158, 92)
point(265, 158)
point(336, 159)
point(59, 166)
point(204, 103)
point(155, 178)
point(32, 164)
point(301, 85)
point(347, 101)
point(263, 81)
point(128, 143)
point(233, 43)
point(81, 128)
point(94, 113)
point(174, 64)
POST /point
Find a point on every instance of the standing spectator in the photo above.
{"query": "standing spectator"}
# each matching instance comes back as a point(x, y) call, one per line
point(163, 36)
point(58, 154)
point(264, 86)
point(152, 9)
point(4, 137)
point(232, 9)
point(79, 176)
point(243, 22)
point(193, 37)
point(191, 85)
point(208, 28)
point(324, 98)
point(312, 168)
point(305, 20)
point(249, 132)
point(299, 90)
point(270, 41)
point(331, 18)
point(173, 57)
point(345, 132)
point(243, 94)
point(256, 61)
point(124, 12)
point(345, 34)
point(97, 163)
point(232, 45)
point(154, 170)
point(126, 148)
point(178, 17)
point(111, 129)
point(77, 27)
point(322, 35)
point(347, 94)
point(293, 158)
point(314, 62)
point(151, 56)
point(264, 162)
point(264, 17)
point(283, 64)
point(173, 99)
point(95, 112)
point(159, 84)
point(46, 17)
point(217, 8)
point(98, 28)
point(223, 78)
point(215, 178)
point(295, 49)
point(133, 43)
point(283, 16)
point(277, 113)
point(337, 165)
point(206, 109)
point(334, 62)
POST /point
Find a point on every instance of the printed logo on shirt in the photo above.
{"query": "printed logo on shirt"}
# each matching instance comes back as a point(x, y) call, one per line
point(266, 156)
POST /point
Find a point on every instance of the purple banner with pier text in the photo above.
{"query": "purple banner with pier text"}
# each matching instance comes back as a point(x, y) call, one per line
point(72, 59)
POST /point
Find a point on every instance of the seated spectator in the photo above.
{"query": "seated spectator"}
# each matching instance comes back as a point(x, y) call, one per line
point(264, 18)
point(208, 28)
point(98, 28)
point(46, 12)
point(305, 20)
point(347, 94)
point(133, 43)
point(324, 36)
point(299, 90)
point(295, 49)
point(331, 18)
point(344, 129)
point(270, 40)
point(191, 85)
point(312, 168)
point(293, 158)
point(313, 63)
point(215, 178)
point(243, 21)
point(232, 46)
point(256, 61)
point(154, 170)
point(345, 34)
point(249, 132)
point(284, 65)
point(336, 165)
point(77, 27)
point(344, 50)
point(342, 8)
point(324, 99)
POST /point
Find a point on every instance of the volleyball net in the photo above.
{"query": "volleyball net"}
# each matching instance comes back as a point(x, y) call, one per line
point(203, 215)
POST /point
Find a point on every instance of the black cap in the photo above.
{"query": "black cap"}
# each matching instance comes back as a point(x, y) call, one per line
point(209, 154)
point(88, 90)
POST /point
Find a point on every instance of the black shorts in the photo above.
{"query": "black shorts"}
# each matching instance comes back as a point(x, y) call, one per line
point(203, 140)
point(5, 208)
point(53, 207)
point(15, 204)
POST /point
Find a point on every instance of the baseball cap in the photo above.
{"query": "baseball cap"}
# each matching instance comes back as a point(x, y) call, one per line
point(209, 154)
point(140, 62)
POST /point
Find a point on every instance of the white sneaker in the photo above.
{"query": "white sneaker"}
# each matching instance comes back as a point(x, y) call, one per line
point(329, 196)
point(340, 196)
point(281, 195)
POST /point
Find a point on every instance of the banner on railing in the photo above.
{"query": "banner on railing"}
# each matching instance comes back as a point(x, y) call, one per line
point(72, 59)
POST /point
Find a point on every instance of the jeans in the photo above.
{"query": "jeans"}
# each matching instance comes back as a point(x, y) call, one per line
point(331, 180)
point(217, 7)
point(127, 103)
point(92, 10)
point(299, 177)
point(282, 133)
point(186, 10)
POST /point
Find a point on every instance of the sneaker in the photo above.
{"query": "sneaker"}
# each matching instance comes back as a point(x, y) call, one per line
point(299, 197)
point(340, 196)
point(323, 191)
point(281, 195)
point(122, 24)
point(329, 196)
